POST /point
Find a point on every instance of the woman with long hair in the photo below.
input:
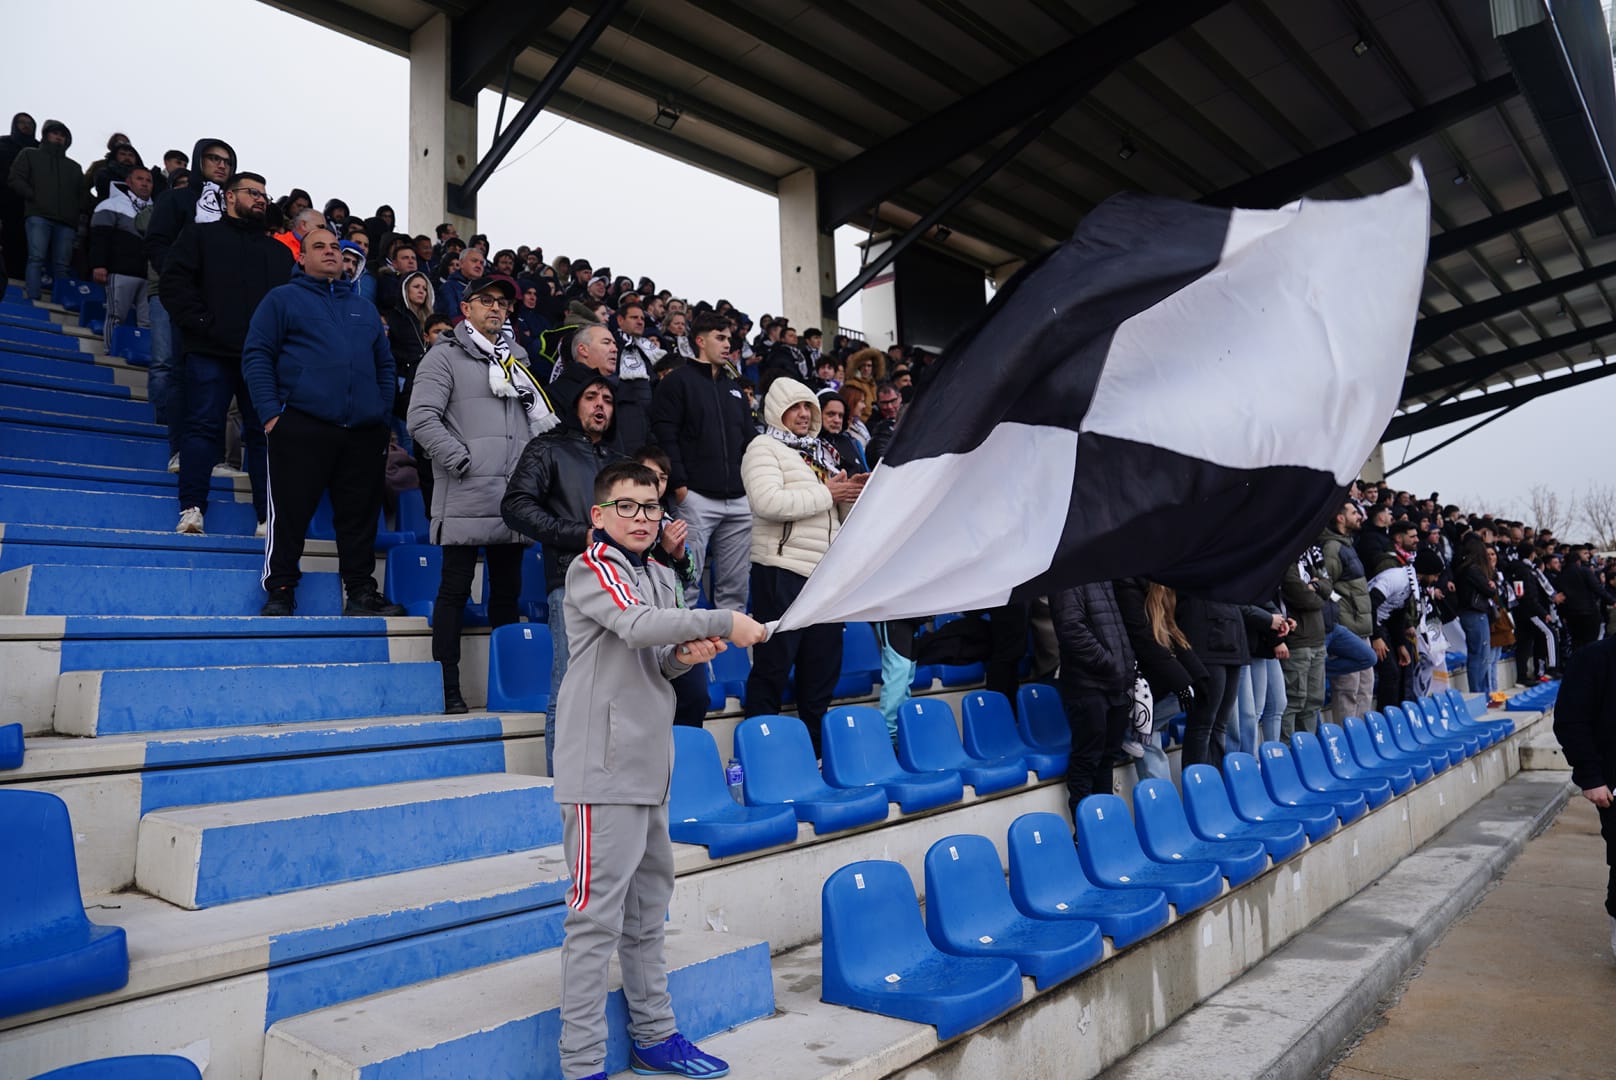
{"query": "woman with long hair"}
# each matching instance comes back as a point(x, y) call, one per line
point(1476, 597)
point(1166, 662)
point(407, 337)
point(858, 411)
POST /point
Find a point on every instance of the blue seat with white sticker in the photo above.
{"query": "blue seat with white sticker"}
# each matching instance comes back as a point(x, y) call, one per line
point(1468, 744)
point(778, 760)
point(878, 958)
point(412, 577)
point(134, 1067)
point(1041, 716)
point(519, 657)
point(1047, 882)
point(929, 741)
point(702, 811)
point(1316, 774)
point(1375, 749)
point(990, 732)
point(1251, 800)
point(1341, 761)
point(533, 600)
point(858, 754)
point(1439, 719)
point(726, 678)
point(1108, 847)
point(1165, 836)
point(1211, 816)
point(969, 913)
point(1285, 786)
point(1443, 757)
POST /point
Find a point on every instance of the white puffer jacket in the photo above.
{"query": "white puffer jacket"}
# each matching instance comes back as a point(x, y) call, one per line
point(793, 515)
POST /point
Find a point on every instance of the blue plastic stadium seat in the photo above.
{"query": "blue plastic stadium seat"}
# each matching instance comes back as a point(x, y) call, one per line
point(858, 754)
point(1316, 775)
point(412, 577)
point(1380, 736)
point(878, 958)
point(1441, 717)
point(861, 661)
point(1164, 833)
point(138, 1067)
point(779, 764)
point(131, 343)
point(50, 952)
point(1285, 785)
point(969, 913)
point(1468, 743)
point(10, 746)
point(534, 599)
point(1047, 882)
point(1444, 757)
point(925, 675)
point(1042, 718)
point(990, 732)
point(1451, 704)
point(726, 678)
point(1464, 714)
point(1343, 763)
point(519, 657)
point(701, 810)
point(1211, 816)
point(929, 741)
point(1252, 802)
point(1109, 850)
point(412, 516)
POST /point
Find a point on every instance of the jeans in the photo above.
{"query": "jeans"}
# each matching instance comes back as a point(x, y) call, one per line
point(1478, 651)
point(558, 669)
point(165, 379)
point(725, 527)
point(1304, 689)
point(1259, 708)
point(210, 384)
point(48, 241)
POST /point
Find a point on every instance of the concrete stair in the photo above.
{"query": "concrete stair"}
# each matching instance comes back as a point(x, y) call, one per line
point(46, 589)
point(51, 442)
point(101, 509)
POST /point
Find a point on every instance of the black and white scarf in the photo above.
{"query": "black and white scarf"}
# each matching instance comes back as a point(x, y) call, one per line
point(820, 457)
point(508, 377)
point(209, 202)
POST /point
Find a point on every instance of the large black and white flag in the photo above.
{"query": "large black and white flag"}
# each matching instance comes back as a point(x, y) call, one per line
point(1179, 391)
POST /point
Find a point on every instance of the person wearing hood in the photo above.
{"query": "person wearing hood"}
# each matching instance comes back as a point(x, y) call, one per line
point(51, 186)
point(548, 499)
point(353, 270)
point(474, 408)
point(798, 494)
point(118, 248)
point(316, 367)
point(406, 337)
point(13, 236)
point(120, 159)
point(336, 217)
point(379, 225)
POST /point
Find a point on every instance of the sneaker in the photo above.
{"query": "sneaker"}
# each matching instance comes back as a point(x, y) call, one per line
point(190, 521)
point(262, 530)
point(174, 463)
point(282, 601)
point(370, 602)
point(675, 1055)
point(224, 469)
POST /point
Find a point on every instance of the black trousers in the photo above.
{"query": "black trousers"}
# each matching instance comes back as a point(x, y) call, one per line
point(1607, 826)
point(1389, 679)
point(1209, 716)
point(1098, 725)
point(423, 466)
point(307, 458)
point(454, 589)
point(1584, 628)
point(1008, 629)
point(1528, 647)
point(815, 650)
point(690, 699)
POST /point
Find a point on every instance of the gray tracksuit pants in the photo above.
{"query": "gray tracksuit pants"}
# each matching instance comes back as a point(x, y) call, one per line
point(622, 881)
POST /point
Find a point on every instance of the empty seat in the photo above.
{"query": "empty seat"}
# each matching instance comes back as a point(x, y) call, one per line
point(779, 763)
point(138, 1067)
point(929, 741)
point(1372, 730)
point(1339, 757)
point(1316, 773)
point(10, 746)
point(878, 958)
point(1109, 850)
point(1251, 800)
point(861, 661)
point(858, 754)
point(726, 678)
point(1211, 816)
point(1042, 718)
point(412, 577)
point(1164, 833)
point(990, 732)
point(1285, 785)
point(50, 952)
point(533, 600)
point(701, 810)
point(1452, 705)
point(1462, 713)
point(131, 343)
point(1440, 720)
point(1469, 743)
point(1047, 882)
point(969, 913)
point(1443, 756)
point(519, 657)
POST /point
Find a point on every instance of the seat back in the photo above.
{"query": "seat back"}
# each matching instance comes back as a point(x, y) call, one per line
point(1461, 707)
point(990, 726)
point(1107, 845)
point(533, 600)
point(928, 739)
point(1206, 803)
point(778, 760)
point(1041, 716)
point(965, 890)
point(1308, 755)
point(1337, 754)
point(1044, 868)
point(1361, 741)
point(1381, 732)
point(519, 660)
point(698, 788)
point(1247, 793)
point(39, 892)
point(1402, 734)
point(870, 918)
point(131, 343)
point(857, 752)
point(861, 660)
point(1279, 773)
point(1434, 714)
point(136, 1067)
point(1164, 831)
point(412, 516)
point(731, 667)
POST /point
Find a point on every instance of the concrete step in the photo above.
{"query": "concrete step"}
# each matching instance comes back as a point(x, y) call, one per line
point(119, 409)
point(91, 703)
point(22, 309)
point(55, 476)
point(47, 336)
point(504, 1020)
point(202, 856)
point(77, 422)
point(98, 654)
point(52, 443)
point(91, 509)
point(47, 589)
point(82, 379)
point(135, 547)
point(82, 365)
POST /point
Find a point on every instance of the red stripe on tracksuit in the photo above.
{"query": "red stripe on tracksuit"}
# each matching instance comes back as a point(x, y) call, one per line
point(580, 871)
point(594, 557)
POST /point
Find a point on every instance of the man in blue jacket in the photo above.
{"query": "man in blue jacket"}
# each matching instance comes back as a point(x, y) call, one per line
point(320, 374)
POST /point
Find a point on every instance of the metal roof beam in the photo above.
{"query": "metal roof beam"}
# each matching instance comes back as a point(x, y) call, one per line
point(347, 19)
point(483, 41)
point(1490, 228)
point(1428, 418)
point(1434, 328)
point(1294, 179)
point(1065, 72)
point(1418, 383)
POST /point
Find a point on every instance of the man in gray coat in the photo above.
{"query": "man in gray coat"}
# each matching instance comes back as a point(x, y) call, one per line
point(474, 407)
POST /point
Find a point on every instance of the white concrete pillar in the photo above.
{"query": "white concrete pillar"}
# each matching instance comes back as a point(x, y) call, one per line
point(1375, 468)
point(807, 254)
point(443, 132)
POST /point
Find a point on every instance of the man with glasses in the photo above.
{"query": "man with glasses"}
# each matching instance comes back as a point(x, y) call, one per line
point(212, 282)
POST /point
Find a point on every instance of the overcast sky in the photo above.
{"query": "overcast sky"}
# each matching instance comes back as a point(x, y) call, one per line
point(314, 109)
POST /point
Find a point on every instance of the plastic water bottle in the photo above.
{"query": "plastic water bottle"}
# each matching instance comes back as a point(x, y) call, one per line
point(734, 776)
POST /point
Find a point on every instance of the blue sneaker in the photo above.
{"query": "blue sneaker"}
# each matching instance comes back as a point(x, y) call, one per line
point(677, 1055)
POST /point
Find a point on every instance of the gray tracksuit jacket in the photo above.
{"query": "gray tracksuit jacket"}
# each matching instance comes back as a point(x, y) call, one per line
point(614, 712)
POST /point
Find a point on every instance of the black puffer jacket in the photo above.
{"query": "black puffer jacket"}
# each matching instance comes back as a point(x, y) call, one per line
point(1583, 717)
point(550, 493)
point(699, 417)
point(1216, 630)
point(1582, 587)
point(1094, 649)
point(1167, 670)
point(215, 277)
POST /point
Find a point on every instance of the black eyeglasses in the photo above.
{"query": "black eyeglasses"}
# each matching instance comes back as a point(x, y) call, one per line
point(628, 508)
point(217, 159)
point(251, 193)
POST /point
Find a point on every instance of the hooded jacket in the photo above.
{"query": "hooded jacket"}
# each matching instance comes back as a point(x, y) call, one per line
point(176, 209)
point(116, 241)
point(315, 347)
point(406, 336)
point(552, 488)
point(338, 227)
point(100, 177)
point(51, 183)
point(1095, 651)
point(1345, 572)
point(13, 144)
point(213, 280)
point(794, 517)
point(614, 708)
point(700, 419)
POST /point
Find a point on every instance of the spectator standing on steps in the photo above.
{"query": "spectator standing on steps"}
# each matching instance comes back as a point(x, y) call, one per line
point(118, 249)
point(52, 188)
point(213, 279)
point(474, 407)
point(13, 237)
point(1585, 724)
point(317, 366)
point(1096, 683)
